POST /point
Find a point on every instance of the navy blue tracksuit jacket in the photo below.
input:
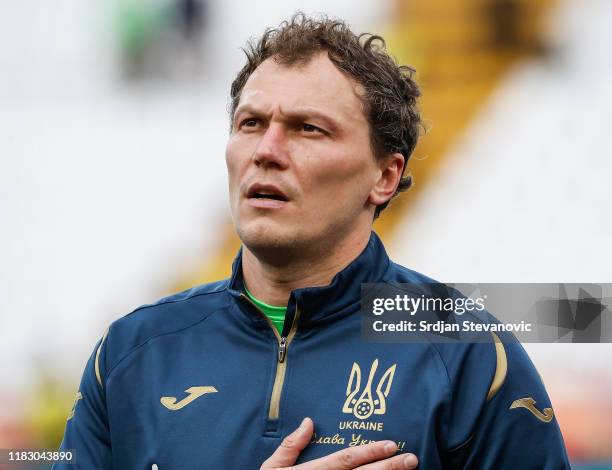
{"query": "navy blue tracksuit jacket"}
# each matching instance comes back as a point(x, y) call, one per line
point(202, 380)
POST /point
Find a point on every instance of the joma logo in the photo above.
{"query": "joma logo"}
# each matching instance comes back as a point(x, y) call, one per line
point(364, 404)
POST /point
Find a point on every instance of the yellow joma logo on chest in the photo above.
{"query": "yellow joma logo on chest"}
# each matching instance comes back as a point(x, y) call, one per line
point(193, 393)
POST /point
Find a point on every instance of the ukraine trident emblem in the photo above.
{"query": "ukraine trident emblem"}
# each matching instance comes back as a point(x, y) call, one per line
point(365, 404)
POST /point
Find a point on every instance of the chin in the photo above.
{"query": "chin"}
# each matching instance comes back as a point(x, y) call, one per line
point(261, 236)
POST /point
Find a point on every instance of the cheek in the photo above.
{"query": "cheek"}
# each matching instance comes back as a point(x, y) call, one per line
point(235, 162)
point(233, 178)
point(339, 182)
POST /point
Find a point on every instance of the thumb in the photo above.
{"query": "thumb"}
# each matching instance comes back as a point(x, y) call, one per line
point(287, 453)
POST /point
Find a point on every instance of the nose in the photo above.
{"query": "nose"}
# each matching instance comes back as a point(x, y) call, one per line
point(272, 150)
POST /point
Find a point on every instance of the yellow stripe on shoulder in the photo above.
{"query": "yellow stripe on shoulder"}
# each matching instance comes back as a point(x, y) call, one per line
point(97, 363)
point(501, 369)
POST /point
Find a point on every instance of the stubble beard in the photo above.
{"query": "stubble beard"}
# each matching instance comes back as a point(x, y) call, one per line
point(283, 245)
point(275, 247)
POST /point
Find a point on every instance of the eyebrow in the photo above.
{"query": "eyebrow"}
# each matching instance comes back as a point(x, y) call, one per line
point(303, 113)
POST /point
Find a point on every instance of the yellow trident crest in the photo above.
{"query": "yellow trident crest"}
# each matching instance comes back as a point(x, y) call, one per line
point(365, 405)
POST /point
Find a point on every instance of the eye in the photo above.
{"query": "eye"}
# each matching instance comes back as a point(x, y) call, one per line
point(249, 122)
point(310, 128)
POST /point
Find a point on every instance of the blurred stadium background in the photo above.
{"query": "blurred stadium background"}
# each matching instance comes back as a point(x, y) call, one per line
point(113, 122)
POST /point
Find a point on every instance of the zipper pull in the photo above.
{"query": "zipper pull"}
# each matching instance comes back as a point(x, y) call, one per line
point(282, 349)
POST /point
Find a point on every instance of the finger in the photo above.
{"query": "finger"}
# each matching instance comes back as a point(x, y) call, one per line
point(353, 457)
point(289, 450)
point(397, 462)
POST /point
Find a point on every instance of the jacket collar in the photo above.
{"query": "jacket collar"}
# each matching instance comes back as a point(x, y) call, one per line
point(316, 303)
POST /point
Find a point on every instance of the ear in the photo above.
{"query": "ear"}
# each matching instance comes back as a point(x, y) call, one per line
point(391, 168)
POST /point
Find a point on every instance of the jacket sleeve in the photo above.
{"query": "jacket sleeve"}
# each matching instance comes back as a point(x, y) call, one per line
point(516, 426)
point(87, 429)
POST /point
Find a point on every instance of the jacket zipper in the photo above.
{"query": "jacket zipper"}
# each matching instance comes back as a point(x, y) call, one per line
point(281, 363)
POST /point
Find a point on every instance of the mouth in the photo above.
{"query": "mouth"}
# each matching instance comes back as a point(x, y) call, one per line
point(266, 197)
point(265, 192)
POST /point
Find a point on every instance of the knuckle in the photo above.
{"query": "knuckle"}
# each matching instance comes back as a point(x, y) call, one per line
point(288, 442)
point(372, 453)
point(346, 458)
point(397, 463)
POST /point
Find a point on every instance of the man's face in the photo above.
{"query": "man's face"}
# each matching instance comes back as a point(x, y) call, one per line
point(299, 158)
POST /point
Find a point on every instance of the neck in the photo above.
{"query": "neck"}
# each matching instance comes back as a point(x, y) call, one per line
point(272, 283)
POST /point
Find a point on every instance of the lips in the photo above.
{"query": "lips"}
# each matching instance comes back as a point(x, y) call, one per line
point(266, 192)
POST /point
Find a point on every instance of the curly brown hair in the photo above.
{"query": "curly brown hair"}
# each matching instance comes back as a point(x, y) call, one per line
point(390, 93)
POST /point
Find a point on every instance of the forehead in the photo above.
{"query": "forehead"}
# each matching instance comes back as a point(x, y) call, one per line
point(317, 83)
